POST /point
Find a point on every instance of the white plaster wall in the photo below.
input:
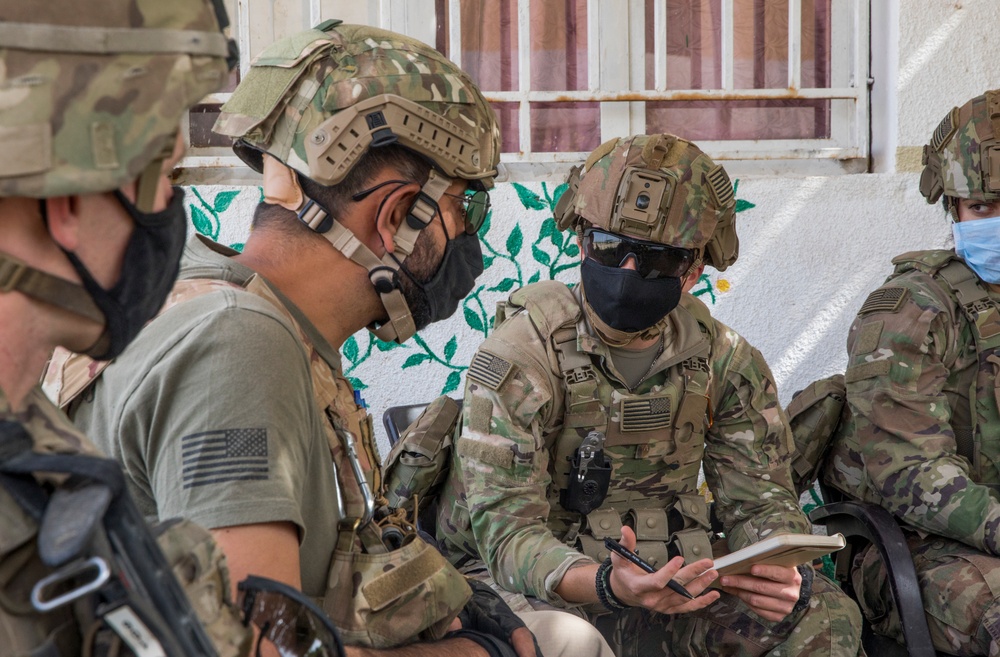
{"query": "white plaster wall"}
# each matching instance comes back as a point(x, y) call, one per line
point(810, 252)
point(948, 53)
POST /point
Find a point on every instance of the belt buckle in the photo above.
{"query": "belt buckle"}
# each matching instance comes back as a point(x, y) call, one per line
point(11, 273)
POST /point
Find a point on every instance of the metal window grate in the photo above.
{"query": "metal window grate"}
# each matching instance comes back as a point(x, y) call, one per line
point(632, 81)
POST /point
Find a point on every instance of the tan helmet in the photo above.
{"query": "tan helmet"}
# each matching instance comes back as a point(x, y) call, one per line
point(659, 188)
point(962, 159)
point(91, 94)
point(317, 101)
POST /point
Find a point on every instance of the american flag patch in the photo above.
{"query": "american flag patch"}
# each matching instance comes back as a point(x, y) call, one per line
point(489, 370)
point(214, 457)
point(884, 300)
point(645, 414)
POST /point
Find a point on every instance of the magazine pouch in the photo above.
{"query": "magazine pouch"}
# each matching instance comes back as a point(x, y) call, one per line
point(388, 599)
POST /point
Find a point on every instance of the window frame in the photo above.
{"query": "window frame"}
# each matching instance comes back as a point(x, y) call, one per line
point(622, 109)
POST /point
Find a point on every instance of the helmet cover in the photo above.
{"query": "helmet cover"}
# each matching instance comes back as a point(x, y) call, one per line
point(962, 159)
point(318, 100)
point(658, 188)
point(91, 94)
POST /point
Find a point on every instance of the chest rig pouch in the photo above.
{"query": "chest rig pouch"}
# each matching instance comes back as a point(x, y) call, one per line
point(652, 451)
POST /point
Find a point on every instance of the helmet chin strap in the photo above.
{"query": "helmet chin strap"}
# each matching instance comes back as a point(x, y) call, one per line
point(16, 275)
point(281, 187)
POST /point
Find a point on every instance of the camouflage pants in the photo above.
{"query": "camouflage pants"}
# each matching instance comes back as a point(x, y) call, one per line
point(960, 587)
point(830, 625)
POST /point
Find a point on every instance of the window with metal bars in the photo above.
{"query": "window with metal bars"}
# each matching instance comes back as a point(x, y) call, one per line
point(765, 86)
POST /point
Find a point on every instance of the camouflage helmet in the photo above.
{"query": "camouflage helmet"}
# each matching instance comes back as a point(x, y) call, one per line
point(659, 188)
point(962, 159)
point(92, 94)
point(318, 100)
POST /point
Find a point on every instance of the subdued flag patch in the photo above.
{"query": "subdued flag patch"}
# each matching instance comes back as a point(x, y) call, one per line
point(214, 457)
point(884, 300)
point(645, 414)
point(489, 370)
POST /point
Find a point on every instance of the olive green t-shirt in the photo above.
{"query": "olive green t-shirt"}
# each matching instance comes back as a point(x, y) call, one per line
point(211, 413)
point(634, 364)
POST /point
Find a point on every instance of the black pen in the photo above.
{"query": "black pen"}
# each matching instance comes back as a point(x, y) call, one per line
point(615, 546)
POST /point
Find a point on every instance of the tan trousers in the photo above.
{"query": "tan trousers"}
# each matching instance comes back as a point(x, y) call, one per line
point(562, 634)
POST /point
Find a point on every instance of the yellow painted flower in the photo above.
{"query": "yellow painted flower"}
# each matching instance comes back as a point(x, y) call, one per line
point(722, 285)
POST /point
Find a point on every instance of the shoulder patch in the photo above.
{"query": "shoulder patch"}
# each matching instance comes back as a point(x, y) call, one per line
point(502, 457)
point(867, 371)
point(489, 370)
point(480, 412)
point(871, 332)
point(884, 300)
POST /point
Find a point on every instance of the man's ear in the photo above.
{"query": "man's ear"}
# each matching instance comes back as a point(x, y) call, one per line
point(63, 220)
point(691, 278)
point(394, 208)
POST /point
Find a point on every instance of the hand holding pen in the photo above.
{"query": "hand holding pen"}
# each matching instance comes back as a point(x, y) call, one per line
point(628, 554)
point(654, 588)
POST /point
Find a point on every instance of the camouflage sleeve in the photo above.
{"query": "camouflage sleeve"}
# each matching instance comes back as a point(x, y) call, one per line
point(900, 361)
point(748, 448)
point(504, 465)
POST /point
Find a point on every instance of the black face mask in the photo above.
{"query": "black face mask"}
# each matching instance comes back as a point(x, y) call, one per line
point(626, 301)
point(149, 269)
point(438, 298)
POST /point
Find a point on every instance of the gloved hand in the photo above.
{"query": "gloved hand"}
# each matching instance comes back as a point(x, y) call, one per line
point(487, 620)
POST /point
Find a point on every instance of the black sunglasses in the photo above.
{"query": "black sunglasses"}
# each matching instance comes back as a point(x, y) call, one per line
point(475, 206)
point(652, 260)
point(287, 619)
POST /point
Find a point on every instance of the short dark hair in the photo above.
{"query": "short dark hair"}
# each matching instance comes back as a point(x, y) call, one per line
point(335, 199)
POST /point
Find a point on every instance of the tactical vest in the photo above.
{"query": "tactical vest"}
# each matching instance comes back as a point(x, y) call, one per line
point(368, 605)
point(655, 440)
point(975, 407)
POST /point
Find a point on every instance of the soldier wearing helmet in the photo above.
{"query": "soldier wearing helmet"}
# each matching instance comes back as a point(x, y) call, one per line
point(376, 154)
point(921, 435)
point(590, 410)
point(91, 232)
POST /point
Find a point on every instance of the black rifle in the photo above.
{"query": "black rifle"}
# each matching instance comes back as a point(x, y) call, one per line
point(135, 586)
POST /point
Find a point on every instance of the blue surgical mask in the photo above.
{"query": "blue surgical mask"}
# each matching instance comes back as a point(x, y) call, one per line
point(977, 242)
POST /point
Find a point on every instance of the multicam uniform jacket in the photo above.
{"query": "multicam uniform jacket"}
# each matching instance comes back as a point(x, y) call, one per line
point(501, 500)
point(924, 437)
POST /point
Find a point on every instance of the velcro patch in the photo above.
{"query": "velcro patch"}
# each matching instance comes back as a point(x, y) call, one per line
point(867, 371)
point(645, 414)
point(480, 412)
point(884, 300)
point(721, 186)
point(502, 457)
point(869, 337)
point(489, 370)
point(945, 130)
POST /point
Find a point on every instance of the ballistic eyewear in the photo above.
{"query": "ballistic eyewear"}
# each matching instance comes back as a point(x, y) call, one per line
point(475, 205)
point(652, 260)
point(287, 619)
